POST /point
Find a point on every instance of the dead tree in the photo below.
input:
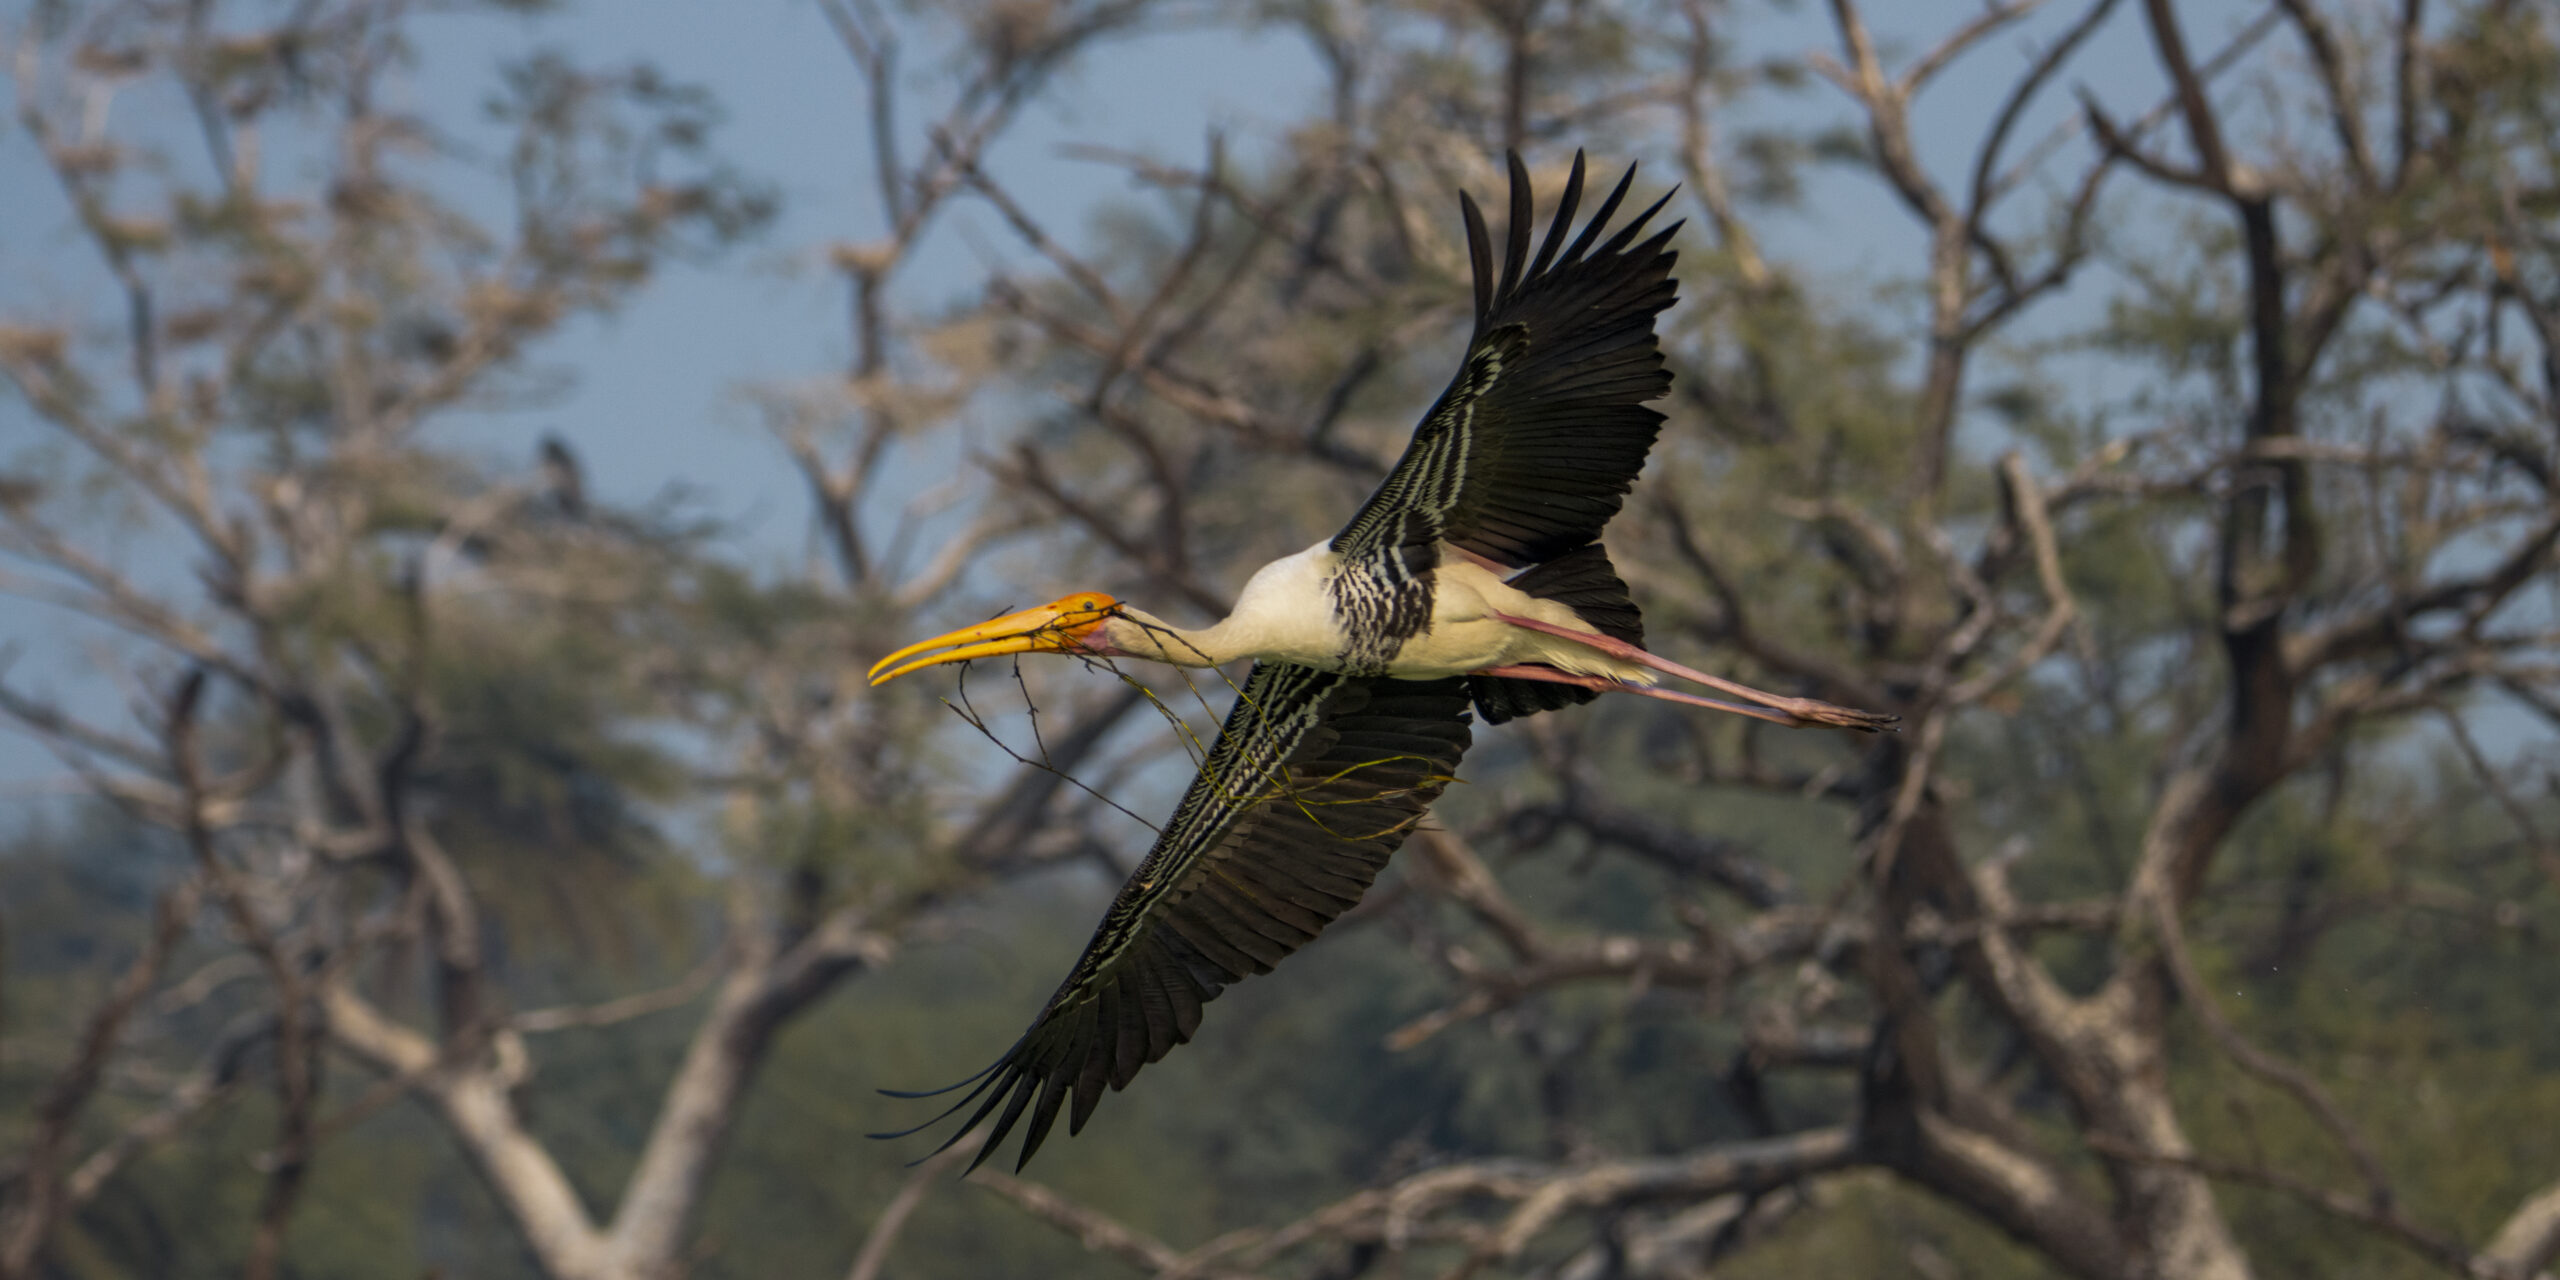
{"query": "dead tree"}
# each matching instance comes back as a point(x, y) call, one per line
point(2344, 474)
point(267, 411)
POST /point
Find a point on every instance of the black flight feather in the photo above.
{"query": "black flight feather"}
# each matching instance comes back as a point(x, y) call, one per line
point(1534, 445)
point(1314, 781)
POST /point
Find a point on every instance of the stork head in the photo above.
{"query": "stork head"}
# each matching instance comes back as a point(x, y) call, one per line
point(1070, 624)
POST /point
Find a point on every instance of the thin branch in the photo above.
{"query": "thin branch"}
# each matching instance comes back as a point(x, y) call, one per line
point(2204, 128)
point(1428, 1205)
point(1961, 41)
point(2384, 1218)
point(296, 1058)
point(2293, 1080)
point(2026, 507)
point(1097, 1232)
point(1986, 164)
point(2229, 55)
point(2545, 852)
point(1029, 229)
point(2337, 78)
point(33, 1201)
point(876, 1246)
point(673, 996)
point(214, 1082)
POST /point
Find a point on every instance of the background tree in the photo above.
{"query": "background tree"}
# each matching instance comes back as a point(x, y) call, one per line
point(2185, 483)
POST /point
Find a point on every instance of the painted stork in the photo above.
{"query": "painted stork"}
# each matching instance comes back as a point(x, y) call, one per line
point(1472, 577)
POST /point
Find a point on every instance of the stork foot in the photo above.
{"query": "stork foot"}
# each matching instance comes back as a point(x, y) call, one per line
point(1814, 711)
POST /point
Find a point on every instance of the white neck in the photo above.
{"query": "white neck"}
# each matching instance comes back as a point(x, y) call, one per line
point(1143, 635)
point(1285, 612)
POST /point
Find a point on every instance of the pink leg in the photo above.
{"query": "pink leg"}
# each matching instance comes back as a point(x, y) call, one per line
point(1604, 684)
point(1803, 710)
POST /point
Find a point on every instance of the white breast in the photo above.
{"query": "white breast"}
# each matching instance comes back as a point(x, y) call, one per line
point(1286, 612)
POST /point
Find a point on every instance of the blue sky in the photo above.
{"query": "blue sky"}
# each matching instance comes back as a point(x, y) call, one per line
point(658, 386)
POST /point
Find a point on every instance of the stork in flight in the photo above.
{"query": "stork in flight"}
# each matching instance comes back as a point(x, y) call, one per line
point(1472, 577)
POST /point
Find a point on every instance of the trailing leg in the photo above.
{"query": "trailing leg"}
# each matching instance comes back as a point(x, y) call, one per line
point(1807, 711)
point(1603, 684)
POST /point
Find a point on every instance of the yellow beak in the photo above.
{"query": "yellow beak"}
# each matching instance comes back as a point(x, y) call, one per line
point(1057, 627)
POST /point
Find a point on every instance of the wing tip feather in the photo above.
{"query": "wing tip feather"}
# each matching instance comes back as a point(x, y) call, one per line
point(1479, 254)
point(1515, 235)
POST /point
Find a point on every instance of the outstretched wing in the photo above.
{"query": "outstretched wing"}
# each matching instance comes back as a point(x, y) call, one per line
point(1315, 779)
point(1535, 443)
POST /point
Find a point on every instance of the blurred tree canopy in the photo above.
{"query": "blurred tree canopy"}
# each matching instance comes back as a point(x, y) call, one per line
point(481, 877)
